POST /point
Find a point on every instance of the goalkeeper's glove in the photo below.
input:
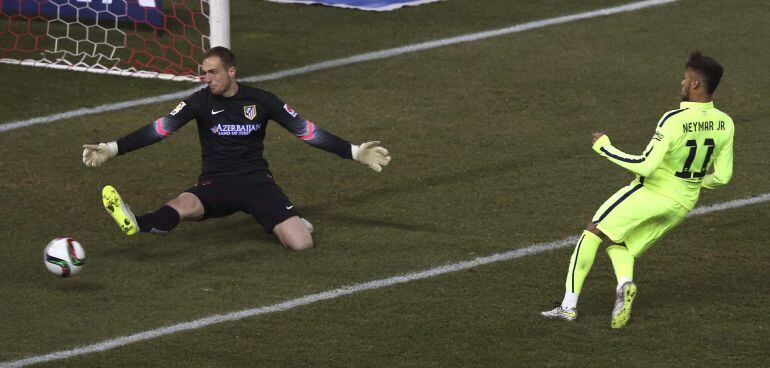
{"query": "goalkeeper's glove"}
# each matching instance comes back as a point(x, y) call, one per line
point(97, 154)
point(371, 154)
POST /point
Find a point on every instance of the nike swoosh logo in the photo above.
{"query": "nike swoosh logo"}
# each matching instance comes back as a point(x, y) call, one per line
point(289, 207)
point(216, 112)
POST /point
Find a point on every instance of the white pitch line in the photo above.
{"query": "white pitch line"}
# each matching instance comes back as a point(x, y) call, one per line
point(729, 205)
point(360, 58)
point(336, 293)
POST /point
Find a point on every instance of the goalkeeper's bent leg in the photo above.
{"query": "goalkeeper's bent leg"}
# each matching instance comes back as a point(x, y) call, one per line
point(160, 221)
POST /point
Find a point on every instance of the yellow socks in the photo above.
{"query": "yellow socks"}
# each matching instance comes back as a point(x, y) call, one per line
point(622, 262)
point(581, 261)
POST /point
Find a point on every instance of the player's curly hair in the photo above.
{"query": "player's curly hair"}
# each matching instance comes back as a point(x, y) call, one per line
point(706, 66)
point(224, 54)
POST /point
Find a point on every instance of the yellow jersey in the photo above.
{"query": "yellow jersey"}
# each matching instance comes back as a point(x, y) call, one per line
point(686, 144)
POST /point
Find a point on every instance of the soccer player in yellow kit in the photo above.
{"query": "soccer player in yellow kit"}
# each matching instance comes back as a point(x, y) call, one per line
point(669, 176)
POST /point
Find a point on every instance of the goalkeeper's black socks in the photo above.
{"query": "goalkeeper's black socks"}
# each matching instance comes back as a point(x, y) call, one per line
point(161, 221)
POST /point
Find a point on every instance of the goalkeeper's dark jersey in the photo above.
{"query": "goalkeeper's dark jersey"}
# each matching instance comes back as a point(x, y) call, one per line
point(232, 130)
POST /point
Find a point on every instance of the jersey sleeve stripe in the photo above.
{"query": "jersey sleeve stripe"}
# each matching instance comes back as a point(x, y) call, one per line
point(621, 158)
point(310, 131)
point(159, 128)
point(672, 113)
point(648, 151)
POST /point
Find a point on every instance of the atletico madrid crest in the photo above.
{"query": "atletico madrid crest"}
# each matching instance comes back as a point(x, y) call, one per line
point(250, 111)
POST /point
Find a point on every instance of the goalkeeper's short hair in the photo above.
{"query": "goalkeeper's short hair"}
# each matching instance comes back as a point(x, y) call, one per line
point(224, 54)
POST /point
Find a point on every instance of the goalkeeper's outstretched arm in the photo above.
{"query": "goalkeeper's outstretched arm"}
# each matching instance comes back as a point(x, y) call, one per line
point(97, 154)
point(368, 153)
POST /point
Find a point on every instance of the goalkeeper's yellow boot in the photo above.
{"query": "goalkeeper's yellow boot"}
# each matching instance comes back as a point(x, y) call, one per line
point(623, 303)
point(119, 210)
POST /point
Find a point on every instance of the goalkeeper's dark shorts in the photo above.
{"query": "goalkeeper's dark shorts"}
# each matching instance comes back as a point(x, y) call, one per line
point(265, 202)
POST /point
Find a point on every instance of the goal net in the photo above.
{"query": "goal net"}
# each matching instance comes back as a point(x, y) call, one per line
point(140, 38)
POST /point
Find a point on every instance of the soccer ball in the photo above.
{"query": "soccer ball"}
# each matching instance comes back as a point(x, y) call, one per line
point(64, 257)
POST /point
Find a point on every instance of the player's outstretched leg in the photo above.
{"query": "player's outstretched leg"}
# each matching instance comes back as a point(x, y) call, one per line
point(119, 210)
point(558, 312)
point(623, 302)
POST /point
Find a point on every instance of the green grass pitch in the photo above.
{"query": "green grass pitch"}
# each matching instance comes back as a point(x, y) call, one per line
point(491, 152)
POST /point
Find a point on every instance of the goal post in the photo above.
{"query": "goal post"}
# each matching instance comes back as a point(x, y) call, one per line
point(219, 23)
point(139, 38)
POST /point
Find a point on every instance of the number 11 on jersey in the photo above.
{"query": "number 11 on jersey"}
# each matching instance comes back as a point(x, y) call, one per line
point(686, 173)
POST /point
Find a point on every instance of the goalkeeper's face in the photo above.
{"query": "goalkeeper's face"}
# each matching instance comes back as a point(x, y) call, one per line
point(220, 81)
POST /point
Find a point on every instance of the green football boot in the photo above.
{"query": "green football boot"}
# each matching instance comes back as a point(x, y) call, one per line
point(625, 299)
point(119, 210)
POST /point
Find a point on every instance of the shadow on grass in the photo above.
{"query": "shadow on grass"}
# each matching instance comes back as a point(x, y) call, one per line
point(373, 222)
point(420, 183)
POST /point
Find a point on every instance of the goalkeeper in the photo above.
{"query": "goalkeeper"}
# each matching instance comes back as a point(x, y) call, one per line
point(231, 120)
point(669, 176)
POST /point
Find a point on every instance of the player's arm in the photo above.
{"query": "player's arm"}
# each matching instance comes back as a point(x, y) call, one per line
point(368, 153)
point(317, 137)
point(149, 134)
point(723, 167)
point(98, 154)
point(642, 165)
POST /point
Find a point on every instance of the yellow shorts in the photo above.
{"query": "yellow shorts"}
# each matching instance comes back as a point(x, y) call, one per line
point(638, 217)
